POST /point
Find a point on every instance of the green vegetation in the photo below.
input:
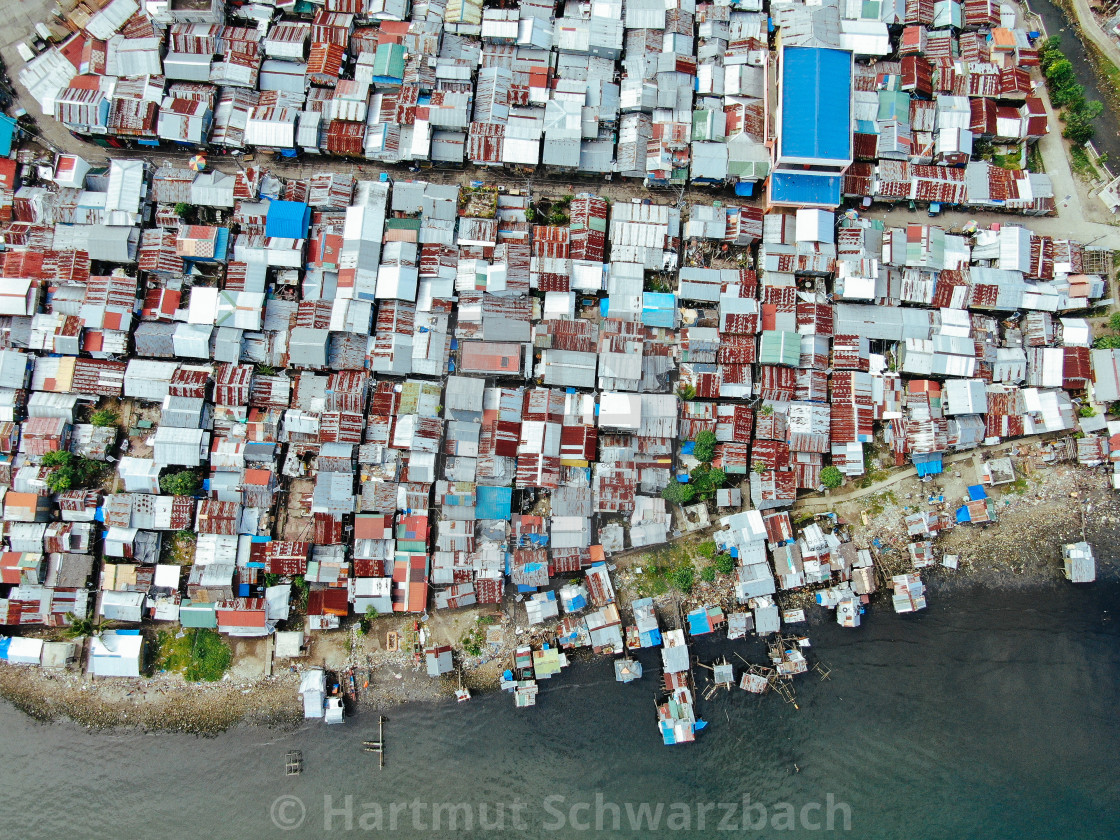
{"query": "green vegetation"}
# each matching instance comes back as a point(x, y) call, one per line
point(78, 627)
point(1114, 408)
point(1107, 342)
point(300, 589)
point(69, 471)
point(1081, 165)
point(1114, 322)
point(1034, 159)
point(199, 655)
point(474, 639)
point(1086, 411)
point(758, 467)
point(707, 549)
point(684, 578)
point(705, 448)
point(874, 476)
point(725, 564)
point(766, 410)
point(265, 370)
point(182, 483)
point(708, 574)
point(707, 480)
point(366, 621)
point(678, 494)
point(1077, 112)
point(831, 477)
point(672, 567)
point(104, 417)
point(1012, 161)
point(686, 392)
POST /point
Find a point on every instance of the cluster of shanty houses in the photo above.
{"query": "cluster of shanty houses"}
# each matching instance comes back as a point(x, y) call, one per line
point(380, 381)
point(882, 100)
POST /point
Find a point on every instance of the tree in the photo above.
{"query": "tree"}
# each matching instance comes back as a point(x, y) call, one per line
point(1107, 342)
point(705, 448)
point(725, 564)
point(68, 471)
point(707, 480)
point(1059, 73)
point(79, 626)
point(831, 477)
point(679, 494)
point(366, 621)
point(182, 483)
point(708, 574)
point(104, 417)
point(686, 392)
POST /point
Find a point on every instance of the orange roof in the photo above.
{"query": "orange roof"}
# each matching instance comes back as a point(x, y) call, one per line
point(597, 554)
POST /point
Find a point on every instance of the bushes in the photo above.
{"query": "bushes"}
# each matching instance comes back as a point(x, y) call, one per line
point(104, 417)
point(68, 471)
point(683, 579)
point(725, 564)
point(708, 574)
point(199, 655)
point(182, 483)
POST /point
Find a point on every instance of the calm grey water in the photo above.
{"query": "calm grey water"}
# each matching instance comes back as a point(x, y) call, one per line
point(989, 715)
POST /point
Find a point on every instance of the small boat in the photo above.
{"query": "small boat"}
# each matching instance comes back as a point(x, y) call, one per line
point(462, 694)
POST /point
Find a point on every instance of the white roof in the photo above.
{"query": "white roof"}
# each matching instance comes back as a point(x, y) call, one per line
point(113, 655)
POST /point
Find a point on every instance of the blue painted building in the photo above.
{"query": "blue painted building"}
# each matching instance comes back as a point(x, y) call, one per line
point(814, 143)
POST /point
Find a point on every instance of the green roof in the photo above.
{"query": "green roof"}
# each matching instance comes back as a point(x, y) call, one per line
point(779, 347)
point(388, 61)
point(198, 615)
point(402, 224)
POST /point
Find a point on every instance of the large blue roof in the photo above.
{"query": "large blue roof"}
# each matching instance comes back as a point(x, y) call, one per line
point(493, 502)
point(287, 220)
point(816, 103)
point(805, 188)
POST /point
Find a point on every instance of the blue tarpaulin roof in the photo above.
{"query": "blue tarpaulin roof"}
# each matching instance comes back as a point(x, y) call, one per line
point(805, 188)
point(493, 502)
point(928, 463)
point(976, 492)
point(4, 644)
point(698, 623)
point(963, 514)
point(816, 103)
point(287, 220)
point(7, 132)
point(744, 188)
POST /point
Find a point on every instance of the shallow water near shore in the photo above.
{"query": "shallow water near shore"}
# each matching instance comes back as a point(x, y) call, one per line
point(991, 714)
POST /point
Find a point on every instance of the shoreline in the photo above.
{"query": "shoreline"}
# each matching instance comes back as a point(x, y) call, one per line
point(1018, 553)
